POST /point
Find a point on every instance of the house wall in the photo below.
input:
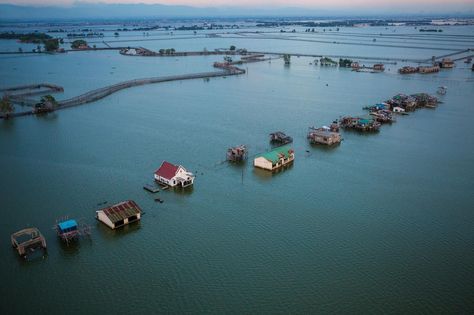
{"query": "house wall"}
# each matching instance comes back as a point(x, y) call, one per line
point(262, 163)
point(182, 172)
point(165, 181)
point(104, 219)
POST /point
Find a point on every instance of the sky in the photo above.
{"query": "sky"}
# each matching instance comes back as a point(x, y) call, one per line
point(381, 4)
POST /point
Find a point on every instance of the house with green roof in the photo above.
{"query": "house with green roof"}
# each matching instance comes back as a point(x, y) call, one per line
point(275, 158)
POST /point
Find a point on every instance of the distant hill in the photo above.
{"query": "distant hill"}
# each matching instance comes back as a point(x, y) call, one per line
point(81, 10)
point(106, 11)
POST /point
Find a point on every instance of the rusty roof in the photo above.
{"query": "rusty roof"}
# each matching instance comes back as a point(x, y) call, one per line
point(122, 210)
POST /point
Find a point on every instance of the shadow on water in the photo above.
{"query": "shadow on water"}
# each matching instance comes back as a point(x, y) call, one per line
point(72, 248)
point(35, 257)
point(361, 133)
point(186, 191)
point(324, 148)
point(7, 125)
point(107, 233)
point(69, 249)
point(265, 175)
point(48, 116)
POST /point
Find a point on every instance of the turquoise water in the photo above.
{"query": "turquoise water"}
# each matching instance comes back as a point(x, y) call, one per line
point(380, 224)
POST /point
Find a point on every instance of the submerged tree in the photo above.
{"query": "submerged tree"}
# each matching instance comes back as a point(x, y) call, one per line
point(51, 44)
point(47, 104)
point(6, 106)
point(78, 43)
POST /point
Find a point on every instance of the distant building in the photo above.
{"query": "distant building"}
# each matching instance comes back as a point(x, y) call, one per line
point(379, 67)
point(432, 69)
point(275, 159)
point(447, 63)
point(119, 214)
point(355, 65)
point(174, 175)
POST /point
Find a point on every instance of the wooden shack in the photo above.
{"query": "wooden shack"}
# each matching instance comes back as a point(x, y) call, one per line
point(446, 63)
point(237, 154)
point(120, 214)
point(379, 67)
point(275, 159)
point(407, 70)
point(323, 136)
point(26, 241)
point(67, 230)
point(280, 138)
point(425, 70)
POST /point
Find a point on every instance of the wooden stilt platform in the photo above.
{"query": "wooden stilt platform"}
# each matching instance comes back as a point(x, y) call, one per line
point(151, 188)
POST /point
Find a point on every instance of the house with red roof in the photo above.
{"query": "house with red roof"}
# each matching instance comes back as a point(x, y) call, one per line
point(173, 175)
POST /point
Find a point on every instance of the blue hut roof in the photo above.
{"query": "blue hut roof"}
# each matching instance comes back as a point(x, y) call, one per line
point(69, 224)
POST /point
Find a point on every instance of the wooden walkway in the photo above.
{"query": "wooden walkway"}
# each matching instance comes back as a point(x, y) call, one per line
point(100, 93)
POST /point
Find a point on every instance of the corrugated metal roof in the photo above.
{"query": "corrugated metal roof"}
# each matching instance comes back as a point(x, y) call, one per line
point(324, 133)
point(275, 154)
point(122, 210)
point(67, 224)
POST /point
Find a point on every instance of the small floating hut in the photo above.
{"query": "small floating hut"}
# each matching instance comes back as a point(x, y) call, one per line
point(120, 214)
point(275, 159)
point(237, 154)
point(425, 100)
point(360, 123)
point(280, 137)
point(429, 69)
point(69, 230)
point(408, 70)
point(379, 67)
point(407, 102)
point(26, 241)
point(323, 136)
point(446, 63)
point(442, 90)
point(334, 126)
point(383, 116)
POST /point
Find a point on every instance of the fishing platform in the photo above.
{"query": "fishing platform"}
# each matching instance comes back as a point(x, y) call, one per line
point(27, 241)
point(237, 154)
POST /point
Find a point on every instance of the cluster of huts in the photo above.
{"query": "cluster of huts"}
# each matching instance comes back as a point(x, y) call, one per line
point(171, 175)
point(28, 240)
point(379, 114)
point(420, 69)
point(445, 63)
point(408, 103)
point(348, 63)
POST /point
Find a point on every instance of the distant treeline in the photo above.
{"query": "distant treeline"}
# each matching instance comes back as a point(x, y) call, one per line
point(347, 23)
point(36, 38)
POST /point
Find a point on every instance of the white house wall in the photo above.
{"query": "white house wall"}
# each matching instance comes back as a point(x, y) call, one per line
point(104, 219)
